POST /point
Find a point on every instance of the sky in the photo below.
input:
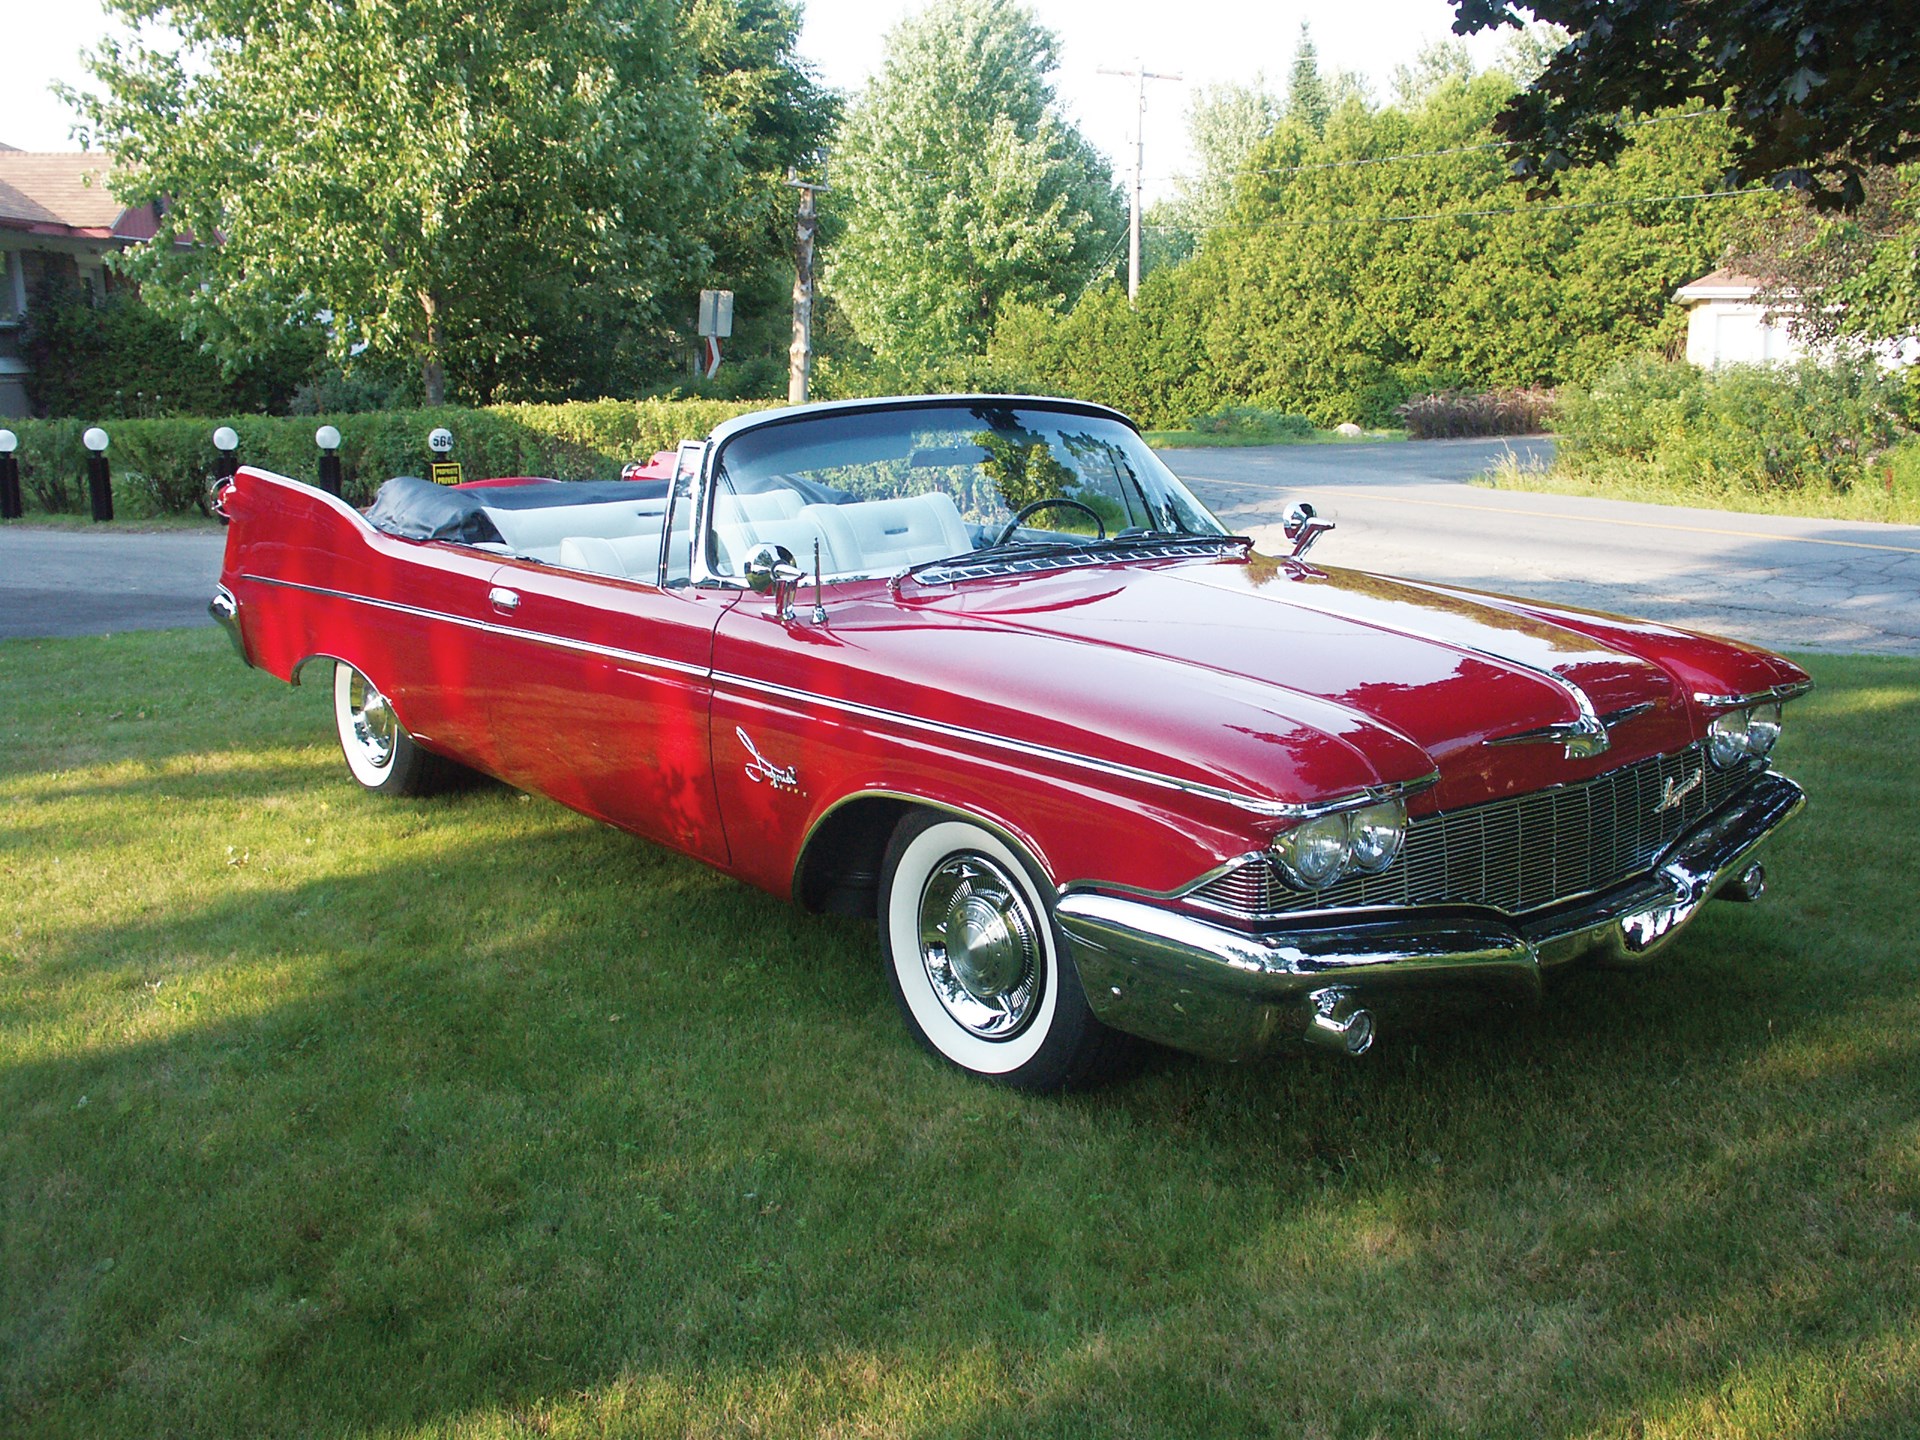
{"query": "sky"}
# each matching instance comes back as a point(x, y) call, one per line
point(1203, 41)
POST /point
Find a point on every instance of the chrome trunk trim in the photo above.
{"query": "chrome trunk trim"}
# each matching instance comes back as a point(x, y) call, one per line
point(226, 610)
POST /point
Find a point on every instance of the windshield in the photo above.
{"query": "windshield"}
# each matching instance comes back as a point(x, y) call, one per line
point(878, 491)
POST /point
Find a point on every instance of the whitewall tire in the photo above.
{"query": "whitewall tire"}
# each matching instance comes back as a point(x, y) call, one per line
point(976, 962)
point(380, 754)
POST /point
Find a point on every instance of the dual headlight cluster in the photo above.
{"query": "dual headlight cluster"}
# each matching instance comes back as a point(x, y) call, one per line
point(1743, 734)
point(1317, 852)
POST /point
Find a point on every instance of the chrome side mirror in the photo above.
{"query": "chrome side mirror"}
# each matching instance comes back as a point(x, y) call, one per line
point(770, 569)
point(1302, 526)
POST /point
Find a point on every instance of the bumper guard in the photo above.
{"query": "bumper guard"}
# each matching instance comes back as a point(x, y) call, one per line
point(1170, 976)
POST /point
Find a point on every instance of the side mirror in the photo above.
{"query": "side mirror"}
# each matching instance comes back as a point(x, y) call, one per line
point(770, 569)
point(1302, 526)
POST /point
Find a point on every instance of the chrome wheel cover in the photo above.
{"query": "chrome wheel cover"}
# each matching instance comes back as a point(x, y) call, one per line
point(981, 946)
point(371, 723)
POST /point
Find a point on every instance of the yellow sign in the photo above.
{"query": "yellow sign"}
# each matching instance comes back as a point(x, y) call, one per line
point(444, 472)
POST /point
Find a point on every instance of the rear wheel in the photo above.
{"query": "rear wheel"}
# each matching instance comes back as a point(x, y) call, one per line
point(380, 753)
point(978, 965)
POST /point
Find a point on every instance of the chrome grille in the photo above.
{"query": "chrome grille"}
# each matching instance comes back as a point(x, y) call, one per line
point(1517, 854)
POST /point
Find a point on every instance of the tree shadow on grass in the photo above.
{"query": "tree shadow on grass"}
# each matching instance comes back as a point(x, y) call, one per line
point(610, 1135)
point(525, 1124)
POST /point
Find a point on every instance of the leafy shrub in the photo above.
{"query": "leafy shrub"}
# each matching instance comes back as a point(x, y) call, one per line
point(165, 466)
point(1251, 422)
point(119, 359)
point(1450, 413)
point(1810, 425)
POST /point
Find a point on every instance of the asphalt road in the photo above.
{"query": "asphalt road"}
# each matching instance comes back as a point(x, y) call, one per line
point(93, 582)
point(1778, 581)
point(1402, 509)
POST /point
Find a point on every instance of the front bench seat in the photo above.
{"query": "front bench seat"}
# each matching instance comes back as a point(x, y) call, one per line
point(882, 536)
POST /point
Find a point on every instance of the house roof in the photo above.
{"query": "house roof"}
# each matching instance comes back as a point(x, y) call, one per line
point(1721, 285)
point(65, 193)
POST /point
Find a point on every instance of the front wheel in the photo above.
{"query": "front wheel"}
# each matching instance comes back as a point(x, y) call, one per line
point(380, 753)
point(976, 962)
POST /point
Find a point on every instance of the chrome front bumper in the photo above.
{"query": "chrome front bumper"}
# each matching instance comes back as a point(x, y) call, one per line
point(1230, 994)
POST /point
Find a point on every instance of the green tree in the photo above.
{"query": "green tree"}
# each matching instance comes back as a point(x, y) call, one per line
point(1309, 102)
point(775, 117)
point(1224, 124)
point(961, 187)
point(429, 180)
point(1389, 256)
point(1851, 277)
point(1816, 91)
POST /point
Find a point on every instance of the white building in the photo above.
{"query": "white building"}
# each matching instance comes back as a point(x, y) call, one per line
point(1727, 326)
point(58, 221)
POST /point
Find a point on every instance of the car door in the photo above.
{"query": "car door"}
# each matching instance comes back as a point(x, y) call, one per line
point(603, 696)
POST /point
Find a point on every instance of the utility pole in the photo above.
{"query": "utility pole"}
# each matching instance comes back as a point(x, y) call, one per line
point(1141, 74)
point(800, 352)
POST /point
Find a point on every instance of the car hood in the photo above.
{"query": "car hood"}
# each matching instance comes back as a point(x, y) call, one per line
point(1408, 678)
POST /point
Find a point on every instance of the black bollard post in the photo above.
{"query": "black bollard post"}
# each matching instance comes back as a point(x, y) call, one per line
point(10, 507)
point(99, 478)
point(227, 442)
point(328, 439)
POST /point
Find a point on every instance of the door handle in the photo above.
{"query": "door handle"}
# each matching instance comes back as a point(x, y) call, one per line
point(504, 599)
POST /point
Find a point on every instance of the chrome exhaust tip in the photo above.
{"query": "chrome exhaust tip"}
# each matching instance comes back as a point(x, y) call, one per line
point(1749, 885)
point(1335, 1023)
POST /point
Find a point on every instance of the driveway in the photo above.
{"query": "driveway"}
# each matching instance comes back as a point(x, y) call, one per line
point(1401, 508)
point(91, 582)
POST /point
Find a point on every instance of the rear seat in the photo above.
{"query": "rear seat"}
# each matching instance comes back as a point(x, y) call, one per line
point(631, 557)
point(539, 533)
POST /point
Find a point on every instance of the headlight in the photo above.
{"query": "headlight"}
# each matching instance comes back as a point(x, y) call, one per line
point(1378, 833)
point(1315, 853)
point(1763, 728)
point(1727, 739)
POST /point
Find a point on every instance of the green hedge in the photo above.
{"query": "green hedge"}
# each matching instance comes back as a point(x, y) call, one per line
point(164, 466)
point(1751, 427)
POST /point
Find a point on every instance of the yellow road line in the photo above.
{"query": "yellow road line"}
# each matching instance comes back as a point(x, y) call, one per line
point(1553, 515)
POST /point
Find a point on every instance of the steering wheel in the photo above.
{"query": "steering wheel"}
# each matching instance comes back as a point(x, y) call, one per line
point(1046, 503)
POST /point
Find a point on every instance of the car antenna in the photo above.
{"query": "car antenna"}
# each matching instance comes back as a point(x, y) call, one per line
point(819, 609)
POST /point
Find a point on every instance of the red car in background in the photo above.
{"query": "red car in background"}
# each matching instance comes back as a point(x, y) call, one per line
point(982, 667)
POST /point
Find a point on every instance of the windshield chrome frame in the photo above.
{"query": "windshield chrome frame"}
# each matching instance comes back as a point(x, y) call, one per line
point(706, 488)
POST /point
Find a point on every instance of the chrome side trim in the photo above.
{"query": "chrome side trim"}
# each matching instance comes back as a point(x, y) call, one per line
point(537, 637)
point(1179, 892)
point(1774, 694)
point(756, 688)
point(1280, 809)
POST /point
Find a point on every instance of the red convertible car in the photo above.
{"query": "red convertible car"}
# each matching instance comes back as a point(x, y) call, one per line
point(981, 666)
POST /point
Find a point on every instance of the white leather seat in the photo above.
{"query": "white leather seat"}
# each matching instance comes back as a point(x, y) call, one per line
point(798, 535)
point(529, 532)
point(630, 557)
point(731, 509)
point(879, 536)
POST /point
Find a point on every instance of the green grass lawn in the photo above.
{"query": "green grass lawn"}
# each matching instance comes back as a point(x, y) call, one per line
point(323, 1115)
point(1891, 495)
